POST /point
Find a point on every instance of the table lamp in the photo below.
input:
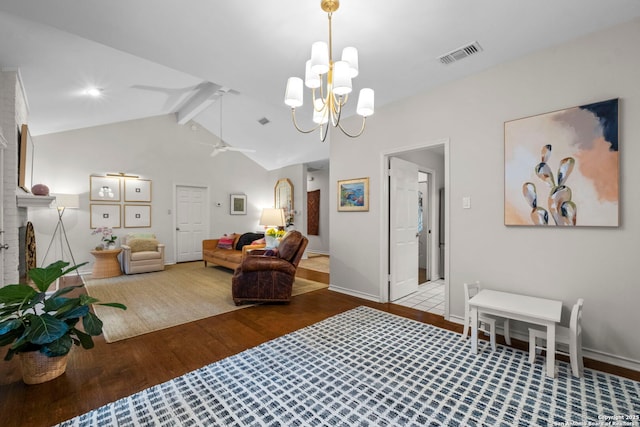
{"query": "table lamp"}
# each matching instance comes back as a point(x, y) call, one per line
point(272, 217)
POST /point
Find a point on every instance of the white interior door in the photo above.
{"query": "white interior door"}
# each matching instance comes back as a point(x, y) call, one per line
point(403, 227)
point(424, 249)
point(191, 222)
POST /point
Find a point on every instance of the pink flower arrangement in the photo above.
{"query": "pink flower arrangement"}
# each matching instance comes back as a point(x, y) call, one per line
point(107, 234)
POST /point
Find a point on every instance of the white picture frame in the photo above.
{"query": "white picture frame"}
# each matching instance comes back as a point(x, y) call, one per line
point(104, 215)
point(104, 189)
point(137, 216)
point(137, 190)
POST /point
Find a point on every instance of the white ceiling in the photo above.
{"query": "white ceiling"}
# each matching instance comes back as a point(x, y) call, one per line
point(151, 56)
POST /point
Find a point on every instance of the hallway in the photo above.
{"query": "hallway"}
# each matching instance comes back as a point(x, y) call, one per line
point(429, 297)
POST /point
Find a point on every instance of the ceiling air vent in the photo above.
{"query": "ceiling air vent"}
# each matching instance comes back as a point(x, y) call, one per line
point(461, 52)
point(263, 121)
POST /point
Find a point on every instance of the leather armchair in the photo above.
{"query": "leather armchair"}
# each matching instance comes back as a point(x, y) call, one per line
point(261, 278)
point(141, 253)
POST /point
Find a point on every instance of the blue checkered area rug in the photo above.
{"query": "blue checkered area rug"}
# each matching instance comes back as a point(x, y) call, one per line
point(365, 367)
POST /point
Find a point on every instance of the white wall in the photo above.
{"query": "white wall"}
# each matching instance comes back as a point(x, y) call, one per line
point(155, 148)
point(13, 113)
point(599, 264)
point(320, 243)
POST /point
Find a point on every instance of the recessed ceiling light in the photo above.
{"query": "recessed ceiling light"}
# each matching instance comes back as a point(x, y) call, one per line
point(94, 91)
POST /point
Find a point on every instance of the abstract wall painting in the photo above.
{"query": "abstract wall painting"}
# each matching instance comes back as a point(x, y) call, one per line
point(562, 168)
point(353, 195)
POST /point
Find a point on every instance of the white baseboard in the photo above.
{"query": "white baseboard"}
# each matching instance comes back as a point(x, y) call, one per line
point(370, 297)
point(601, 356)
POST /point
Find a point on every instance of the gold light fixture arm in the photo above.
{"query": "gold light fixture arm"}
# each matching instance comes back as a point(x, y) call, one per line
point(364, 119)
point(295, 123)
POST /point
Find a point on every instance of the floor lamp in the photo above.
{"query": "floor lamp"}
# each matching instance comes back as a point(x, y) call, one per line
point(63, 202)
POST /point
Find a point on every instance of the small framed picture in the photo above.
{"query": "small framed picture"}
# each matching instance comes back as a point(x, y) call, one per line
point(137, 190)
point(104, 216)
point(104, 189)
point(353, 195)
point(238, 204)
point(137, 216)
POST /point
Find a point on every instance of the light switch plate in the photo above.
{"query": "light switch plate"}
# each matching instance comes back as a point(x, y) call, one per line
point(466, 202)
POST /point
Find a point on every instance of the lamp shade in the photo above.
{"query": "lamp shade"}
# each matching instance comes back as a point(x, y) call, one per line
point(319, 58)
point(350, 56)
point(365, 102)
point(71, 201)
point(272, 217)
point(293, 94)
point(341, 78)
point(320, 112)
point(311, 80)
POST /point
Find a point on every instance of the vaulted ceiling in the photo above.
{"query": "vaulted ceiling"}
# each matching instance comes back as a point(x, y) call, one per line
point(156, 57)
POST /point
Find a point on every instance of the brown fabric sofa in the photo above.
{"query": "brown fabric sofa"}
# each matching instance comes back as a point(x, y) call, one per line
point(229, 258)
point(262, 277)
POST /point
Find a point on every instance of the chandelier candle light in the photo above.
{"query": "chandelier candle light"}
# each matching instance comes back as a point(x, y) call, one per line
point(335, 90)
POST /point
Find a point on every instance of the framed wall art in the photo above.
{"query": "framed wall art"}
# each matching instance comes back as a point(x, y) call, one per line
point(353, 195)
point(104, 189)
point(104, 215)
point(137, 190)
point(137, 216)
point(238, 204)
point(25, 159)
point(562, 168)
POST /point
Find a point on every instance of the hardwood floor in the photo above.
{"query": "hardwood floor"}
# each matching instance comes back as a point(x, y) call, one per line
point(112, 371)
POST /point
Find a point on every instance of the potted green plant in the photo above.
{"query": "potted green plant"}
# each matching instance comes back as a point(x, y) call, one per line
point(40, 326)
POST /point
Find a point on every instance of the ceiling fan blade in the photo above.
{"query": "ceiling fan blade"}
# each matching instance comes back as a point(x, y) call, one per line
point(242, 150)
point(215, 152)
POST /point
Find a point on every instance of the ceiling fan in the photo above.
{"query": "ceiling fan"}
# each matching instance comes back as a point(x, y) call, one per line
point(222, 146)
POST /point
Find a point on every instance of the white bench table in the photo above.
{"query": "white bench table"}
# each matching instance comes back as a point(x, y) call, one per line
point(540, 311)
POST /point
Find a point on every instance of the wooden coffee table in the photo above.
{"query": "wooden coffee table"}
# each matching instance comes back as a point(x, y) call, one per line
point(106, 264)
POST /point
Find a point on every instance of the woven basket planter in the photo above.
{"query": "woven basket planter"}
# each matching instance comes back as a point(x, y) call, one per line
point(38, 368)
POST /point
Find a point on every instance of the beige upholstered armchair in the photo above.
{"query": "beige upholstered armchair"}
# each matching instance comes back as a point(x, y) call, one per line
point(141, 253)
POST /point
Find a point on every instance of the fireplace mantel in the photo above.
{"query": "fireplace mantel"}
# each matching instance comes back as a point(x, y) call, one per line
point(28, 200)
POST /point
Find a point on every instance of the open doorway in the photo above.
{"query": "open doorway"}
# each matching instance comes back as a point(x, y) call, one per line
point(431, 292)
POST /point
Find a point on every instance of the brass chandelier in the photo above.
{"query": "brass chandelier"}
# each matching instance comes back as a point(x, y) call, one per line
point(330, 84)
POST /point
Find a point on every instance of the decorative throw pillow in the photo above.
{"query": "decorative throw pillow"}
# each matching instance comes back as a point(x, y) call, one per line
point(259, 242)
point(225, 242)
point(142, 245)
point(246, 239)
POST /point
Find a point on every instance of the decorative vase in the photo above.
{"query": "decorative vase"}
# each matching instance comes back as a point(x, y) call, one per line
point(38, 368)
point(271, 242)
point(40, 190)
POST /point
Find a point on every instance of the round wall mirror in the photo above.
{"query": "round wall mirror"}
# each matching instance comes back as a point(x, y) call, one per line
point(284, 198)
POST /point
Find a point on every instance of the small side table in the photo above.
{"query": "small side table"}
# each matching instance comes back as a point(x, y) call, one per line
point(106, 264)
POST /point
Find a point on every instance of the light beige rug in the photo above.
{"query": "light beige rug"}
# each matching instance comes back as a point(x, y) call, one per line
point(316, 262)
point(182, 293)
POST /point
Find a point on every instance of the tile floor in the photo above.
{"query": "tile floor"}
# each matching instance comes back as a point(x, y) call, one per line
point(429, 297)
